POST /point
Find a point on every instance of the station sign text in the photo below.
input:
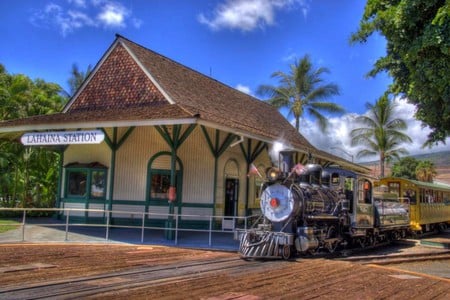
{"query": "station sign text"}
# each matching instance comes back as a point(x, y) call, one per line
point(62, 137)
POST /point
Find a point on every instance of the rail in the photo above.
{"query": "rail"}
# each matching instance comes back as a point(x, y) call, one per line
point(229, 223)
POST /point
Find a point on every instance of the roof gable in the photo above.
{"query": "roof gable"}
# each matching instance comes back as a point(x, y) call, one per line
point(214, 101)
point(117, 82)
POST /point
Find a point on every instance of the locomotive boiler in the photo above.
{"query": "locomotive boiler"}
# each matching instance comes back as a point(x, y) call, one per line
point(308, 209)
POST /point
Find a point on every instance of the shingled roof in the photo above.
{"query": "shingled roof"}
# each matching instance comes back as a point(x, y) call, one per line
point(132, 85)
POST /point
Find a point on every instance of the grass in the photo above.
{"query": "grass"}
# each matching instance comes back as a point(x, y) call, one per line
point(6, 225)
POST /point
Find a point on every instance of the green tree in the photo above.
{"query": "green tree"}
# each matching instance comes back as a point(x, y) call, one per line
point(28, 176)
point(425, 171)
point(77, 77)
point(301, 90)
point(405, 168)
point(381, 133)
point(417, 55)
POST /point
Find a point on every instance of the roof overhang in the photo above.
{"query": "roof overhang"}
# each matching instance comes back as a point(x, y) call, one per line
point(14, 132)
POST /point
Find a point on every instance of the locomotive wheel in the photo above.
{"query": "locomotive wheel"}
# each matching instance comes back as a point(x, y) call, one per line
point(285, 252)
point(332, 246)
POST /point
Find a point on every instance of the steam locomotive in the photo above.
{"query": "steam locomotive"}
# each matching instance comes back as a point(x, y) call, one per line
point(310, 209)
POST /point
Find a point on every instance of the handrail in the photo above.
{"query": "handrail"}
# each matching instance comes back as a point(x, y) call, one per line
point(69, 213)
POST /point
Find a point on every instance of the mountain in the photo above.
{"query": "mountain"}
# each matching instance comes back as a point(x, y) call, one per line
point(441, 161)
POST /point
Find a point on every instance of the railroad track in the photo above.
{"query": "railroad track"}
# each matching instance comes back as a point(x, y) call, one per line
point(77, 288)
point(396, 259)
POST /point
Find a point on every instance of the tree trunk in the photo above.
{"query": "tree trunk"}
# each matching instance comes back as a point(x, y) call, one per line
point(382, 158)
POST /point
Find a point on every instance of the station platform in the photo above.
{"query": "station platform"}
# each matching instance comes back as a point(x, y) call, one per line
point(49, 230)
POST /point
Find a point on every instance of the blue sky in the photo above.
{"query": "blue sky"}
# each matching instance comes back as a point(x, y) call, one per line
point(238, 42)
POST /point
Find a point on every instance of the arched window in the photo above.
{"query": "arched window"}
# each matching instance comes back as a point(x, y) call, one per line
point(159, 178)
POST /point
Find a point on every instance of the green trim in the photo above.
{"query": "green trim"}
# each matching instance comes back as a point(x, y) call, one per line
point(60, 176)
point(129, 202)
point(125, 137)
point(112, 168)
point(217, 150)
point(174, 143)
point(74, 200)
point(107, 139)
point(133, 202)
point(199, 205)
point(250, 154)
point(88, 172)
point(114, 145)
point(151, 171)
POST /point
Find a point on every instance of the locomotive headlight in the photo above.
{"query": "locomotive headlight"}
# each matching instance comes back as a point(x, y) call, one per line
point(274, 202)
point(273, 174)
point(278, 203)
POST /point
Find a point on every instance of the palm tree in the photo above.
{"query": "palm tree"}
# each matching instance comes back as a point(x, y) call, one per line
point(425, 171)
point(77, 78)
point(382, 134)
point(301, 90)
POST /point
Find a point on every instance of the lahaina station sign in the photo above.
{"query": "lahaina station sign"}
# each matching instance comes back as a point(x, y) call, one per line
point(62, 137)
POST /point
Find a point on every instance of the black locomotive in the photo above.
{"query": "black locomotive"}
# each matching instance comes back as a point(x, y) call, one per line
point(308, 209)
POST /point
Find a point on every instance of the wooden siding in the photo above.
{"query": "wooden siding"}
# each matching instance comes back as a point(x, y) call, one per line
point(160, 211)
point(198, 173)
point(133, 157)
point(77, 206)
point(132, 211)
point(197, 213)
point(97, 206)
point(132, 160)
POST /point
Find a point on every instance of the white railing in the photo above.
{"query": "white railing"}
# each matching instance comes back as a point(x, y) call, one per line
point(65, 214)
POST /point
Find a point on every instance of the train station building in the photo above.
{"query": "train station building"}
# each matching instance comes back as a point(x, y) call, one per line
point(145, 134)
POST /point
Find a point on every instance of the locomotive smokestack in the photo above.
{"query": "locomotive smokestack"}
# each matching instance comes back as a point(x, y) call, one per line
point(286, 161)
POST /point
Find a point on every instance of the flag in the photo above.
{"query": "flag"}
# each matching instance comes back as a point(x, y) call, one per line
point(299, 169)
point(253, 170)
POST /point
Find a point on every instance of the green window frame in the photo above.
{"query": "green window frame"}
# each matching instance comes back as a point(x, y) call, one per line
point(86, 181)
point(158, 183)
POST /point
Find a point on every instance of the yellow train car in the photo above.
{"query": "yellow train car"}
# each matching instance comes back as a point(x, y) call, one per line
point(429, 202)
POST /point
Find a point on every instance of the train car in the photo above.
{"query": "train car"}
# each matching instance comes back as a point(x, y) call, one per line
point(307, 209)
point(429, 202)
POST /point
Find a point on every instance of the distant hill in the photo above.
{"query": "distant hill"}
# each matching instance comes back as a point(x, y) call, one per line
point(441, 161)
point(438, 158)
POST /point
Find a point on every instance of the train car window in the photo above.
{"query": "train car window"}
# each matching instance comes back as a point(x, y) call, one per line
point(447, 198)
point(421, 195)
point(429, 197)
point(394, 187)
point(364, 191)
point(348, 190)
point(335, 179)
point(410, 196)
point(367, 191)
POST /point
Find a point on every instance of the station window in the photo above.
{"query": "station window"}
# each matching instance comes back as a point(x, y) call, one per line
point(160, 185)
point(86, 180)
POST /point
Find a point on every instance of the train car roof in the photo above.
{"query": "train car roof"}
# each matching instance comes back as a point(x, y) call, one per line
point(429, 185)
point(342, 172)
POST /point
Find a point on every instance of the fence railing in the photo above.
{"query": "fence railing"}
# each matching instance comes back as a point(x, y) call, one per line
point(172, 232)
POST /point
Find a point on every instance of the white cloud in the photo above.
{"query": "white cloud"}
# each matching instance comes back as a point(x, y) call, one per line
point(337, 140)
point(76, 14)
point(244, 89)
point(113, 15)
point(248, 15)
